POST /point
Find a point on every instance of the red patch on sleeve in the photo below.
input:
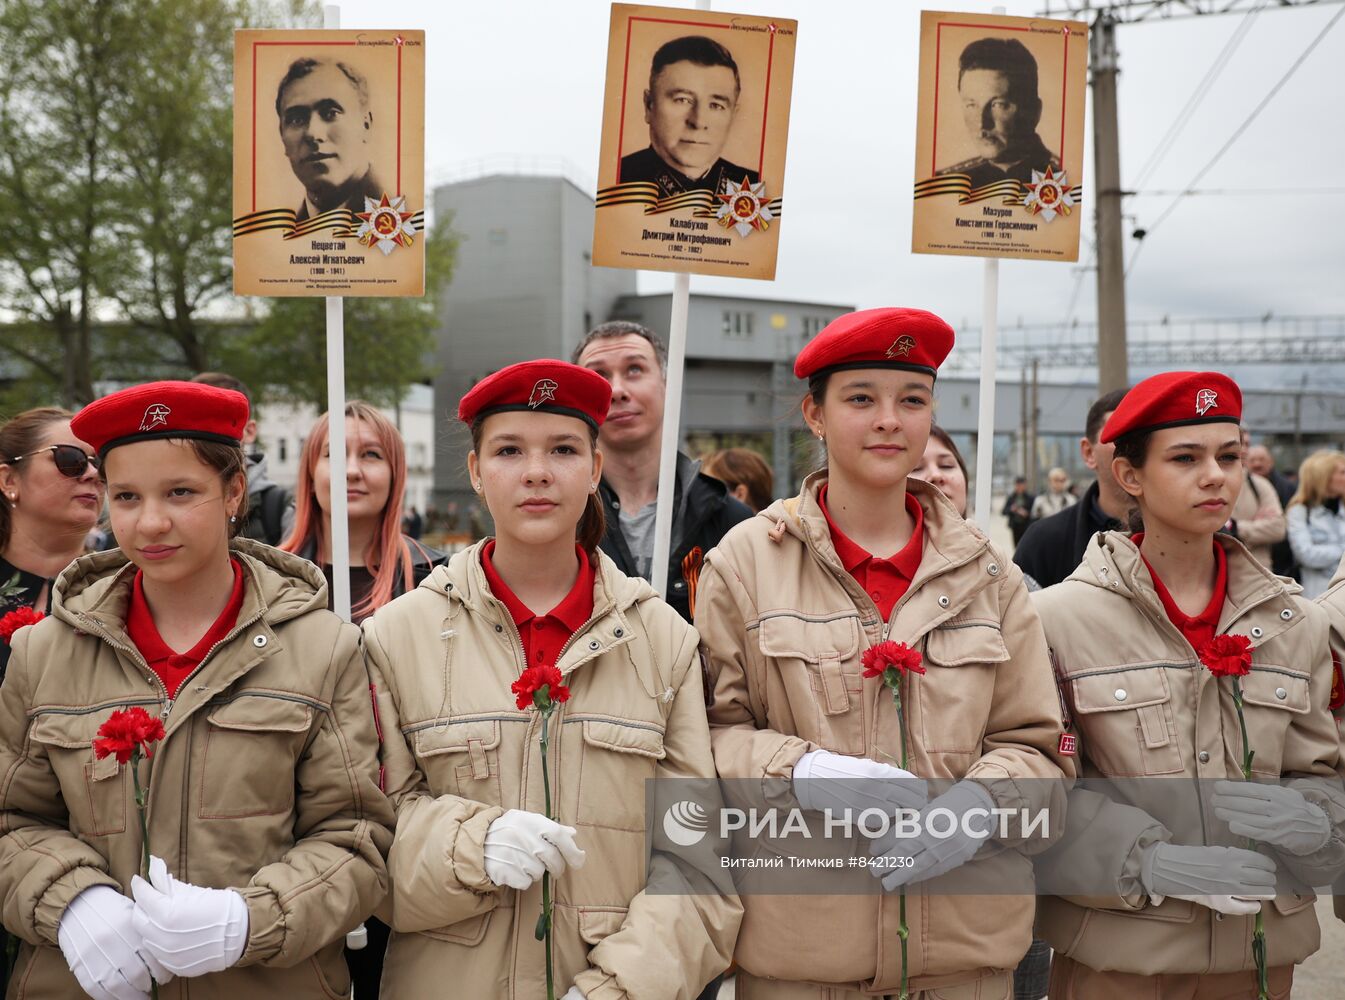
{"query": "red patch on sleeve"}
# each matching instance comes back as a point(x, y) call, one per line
point(1069, 745)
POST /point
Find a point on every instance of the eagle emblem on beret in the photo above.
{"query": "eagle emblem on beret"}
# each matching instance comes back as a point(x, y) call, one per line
point(901, 347)
point(1206, 400)
point(542, 391)
point(156, 415)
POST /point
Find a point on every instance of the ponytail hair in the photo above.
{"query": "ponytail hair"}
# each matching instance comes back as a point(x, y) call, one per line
point(592, 526)
point(19, 436)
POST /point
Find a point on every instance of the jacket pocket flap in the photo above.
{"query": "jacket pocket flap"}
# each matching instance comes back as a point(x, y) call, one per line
point(72, 732)
point(962, 644)
point(457, 736)
point(595, 925)
point(624, 738)
point(1274, 690)
point(833, 639)
point(1119, 690)
point(1287, 904)
point(259, 713)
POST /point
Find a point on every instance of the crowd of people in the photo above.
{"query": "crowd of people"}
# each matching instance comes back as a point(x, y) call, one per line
point(208, 780)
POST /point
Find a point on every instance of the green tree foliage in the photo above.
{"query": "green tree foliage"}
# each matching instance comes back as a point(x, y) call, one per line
point(116, 173)
point(388, 341)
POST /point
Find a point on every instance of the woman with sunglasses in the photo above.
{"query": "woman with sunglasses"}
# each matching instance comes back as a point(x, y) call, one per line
point(266, 830)
point(50, 498)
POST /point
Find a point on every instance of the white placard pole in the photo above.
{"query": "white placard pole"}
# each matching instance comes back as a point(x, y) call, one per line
point(336, 424)
point(672, 422)
point(985, 417)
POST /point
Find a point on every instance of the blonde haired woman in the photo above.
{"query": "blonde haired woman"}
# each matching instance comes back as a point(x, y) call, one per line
point(1316, 521)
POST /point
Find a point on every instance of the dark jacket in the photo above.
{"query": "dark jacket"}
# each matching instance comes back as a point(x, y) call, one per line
point(648, 167)
point(698, 523)
point(423, 561)
point(1052, 547)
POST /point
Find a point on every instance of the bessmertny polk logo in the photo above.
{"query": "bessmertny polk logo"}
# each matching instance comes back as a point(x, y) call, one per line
point(543, 390)
point(1206, 400)
point(156, 415)
point(686, 823)
point(901, 347)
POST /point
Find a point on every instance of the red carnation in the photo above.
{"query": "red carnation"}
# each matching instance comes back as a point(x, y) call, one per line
point(16, 620)
point(126, 732)
point(892, 655)
point(540, 686)
point(1227, 655)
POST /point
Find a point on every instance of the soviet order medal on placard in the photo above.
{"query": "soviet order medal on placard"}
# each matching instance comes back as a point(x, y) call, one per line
point(695, 118)
point(999, 141)
point(329, 163)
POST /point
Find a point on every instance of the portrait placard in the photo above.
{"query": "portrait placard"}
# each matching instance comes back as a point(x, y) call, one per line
point(695, 117)
point(329, 163)
point(999, 136)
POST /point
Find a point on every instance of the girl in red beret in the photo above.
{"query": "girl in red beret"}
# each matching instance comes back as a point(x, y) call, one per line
point(805, 613)
point(1184, 658)
point(456, 663)
point(266, 831)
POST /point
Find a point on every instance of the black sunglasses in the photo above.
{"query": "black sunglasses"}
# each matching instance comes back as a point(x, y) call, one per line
point(70, 459)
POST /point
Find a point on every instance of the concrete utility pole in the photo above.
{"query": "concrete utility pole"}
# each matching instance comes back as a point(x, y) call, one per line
point(1112, 372)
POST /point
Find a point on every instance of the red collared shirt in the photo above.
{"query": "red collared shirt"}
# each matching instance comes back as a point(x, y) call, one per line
point(172, 666)
point(886, 580)
point(544, 636)
point(1199, 629)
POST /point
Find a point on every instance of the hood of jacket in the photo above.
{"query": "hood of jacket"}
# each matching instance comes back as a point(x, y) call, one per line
point(950, 539)
point(463, 580)
point(1112, 562)
point(282, 586)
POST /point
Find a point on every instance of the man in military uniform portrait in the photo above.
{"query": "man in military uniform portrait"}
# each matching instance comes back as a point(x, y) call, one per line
point(997, 89)
point(690, 106)
point(325, 123)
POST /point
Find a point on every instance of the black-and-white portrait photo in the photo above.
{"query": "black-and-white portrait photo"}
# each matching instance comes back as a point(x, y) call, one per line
point(690, 106)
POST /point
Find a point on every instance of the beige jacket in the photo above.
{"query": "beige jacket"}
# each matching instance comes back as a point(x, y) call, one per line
point(265, 782)
point(1144, 707)
point(783, 629)
point(1333, 603)
point(458, 753)
point(1259, 516)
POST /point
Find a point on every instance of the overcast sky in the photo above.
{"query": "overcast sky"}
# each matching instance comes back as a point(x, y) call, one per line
point(525, 77)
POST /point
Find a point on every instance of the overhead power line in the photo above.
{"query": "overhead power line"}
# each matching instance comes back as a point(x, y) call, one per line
point(1237, 133)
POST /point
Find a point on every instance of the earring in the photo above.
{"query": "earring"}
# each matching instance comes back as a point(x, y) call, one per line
point(233, 518)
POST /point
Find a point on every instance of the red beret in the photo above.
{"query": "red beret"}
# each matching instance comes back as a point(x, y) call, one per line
point(1175, 399)
point(546, 386)
point(162, 410)
point(909, 339)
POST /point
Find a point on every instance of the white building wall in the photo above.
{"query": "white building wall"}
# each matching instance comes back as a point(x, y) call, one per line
point(283, 428)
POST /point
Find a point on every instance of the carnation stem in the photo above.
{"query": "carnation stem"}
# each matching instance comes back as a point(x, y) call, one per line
point(903, 932)
point(141, 806)
point(1258, 924)
point(546, 876)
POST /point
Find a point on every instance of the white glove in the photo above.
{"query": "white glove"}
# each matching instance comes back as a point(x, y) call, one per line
point(1236, 906)
point(573, 993)
point(521, 845)
point(192, 930)
point(929, 854)
point(103, 948)
point(1272, 814)
point(831, 781)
